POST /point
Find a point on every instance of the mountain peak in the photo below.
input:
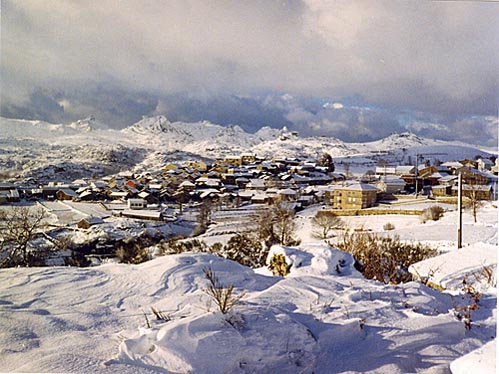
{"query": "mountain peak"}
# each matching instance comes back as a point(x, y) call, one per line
point(151, 125)
point(88, 124)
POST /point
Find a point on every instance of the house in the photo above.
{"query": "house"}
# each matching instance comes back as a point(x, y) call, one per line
point(49, 193)
point(441, 190)
point(256, 184)
point(473, 176)
point(88, 222)
point(404, 169)
point(452, 165)
point(136, 203)
point(286, 195)
point(66, 194)
point(338, 177)
point(260, 198)
point(169, 167)
point(197, 165)
point(86, 195)
point(306, 200)
point(7, 186)
point(391, 185)
point(469, 163)
point(9, 194)
point(495, 168)
point(447, 180)
point(149, 215)
point(187, 186)
point(131, 183)
point(98, 185)
point(248, 158)
point(385, 170)
point(484, 164)
point(480, 192)
point(354, 196)
point(233, 160)
point(148, 197)
point(118, 195)
point(430, 175)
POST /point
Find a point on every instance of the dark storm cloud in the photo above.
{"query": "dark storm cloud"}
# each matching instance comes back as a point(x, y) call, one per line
point(222, 60)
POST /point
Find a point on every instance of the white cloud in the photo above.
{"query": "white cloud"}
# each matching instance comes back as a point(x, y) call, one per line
point(438, 57)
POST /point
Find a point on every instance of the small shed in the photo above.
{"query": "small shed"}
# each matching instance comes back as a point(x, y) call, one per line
point(150, 215)
point(136, 203)
point(88, 222)
point(66, 194)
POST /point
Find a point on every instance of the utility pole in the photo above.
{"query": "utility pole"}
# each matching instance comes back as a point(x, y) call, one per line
point(460, 211)
point(416, 175)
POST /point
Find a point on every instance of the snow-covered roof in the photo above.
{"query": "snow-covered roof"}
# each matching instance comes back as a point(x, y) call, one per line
point(256, 183)
point(392, 181)
point(404, 169)
point(187, 183)
point(357, 186)
point(143, 194)
point(452, 164)
point(447, 178)
point(207, 192)
point(287, 191)
point(68, 192)
point(385, 170)
point(142, 213)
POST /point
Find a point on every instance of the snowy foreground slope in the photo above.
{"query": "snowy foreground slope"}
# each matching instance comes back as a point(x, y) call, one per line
point(324, 317)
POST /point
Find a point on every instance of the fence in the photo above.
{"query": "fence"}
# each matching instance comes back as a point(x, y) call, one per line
point(374, 212)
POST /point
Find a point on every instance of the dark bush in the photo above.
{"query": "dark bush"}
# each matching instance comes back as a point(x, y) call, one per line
point(246, 250)
point(383, 258)
point(433, 213)
point(130, 251)
point(278, 265)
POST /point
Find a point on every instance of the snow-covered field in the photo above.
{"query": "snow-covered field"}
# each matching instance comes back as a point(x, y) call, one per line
point(324, 317)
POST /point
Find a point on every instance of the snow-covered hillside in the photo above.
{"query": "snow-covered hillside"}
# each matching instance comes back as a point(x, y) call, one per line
point(323, 318)
point(87, 142)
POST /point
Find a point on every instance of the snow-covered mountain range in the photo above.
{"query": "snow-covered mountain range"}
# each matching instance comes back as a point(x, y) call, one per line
point(29, 145)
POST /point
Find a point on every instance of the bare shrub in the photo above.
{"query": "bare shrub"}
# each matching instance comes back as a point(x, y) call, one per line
point(324, 222)
point(388, 226)
point(131, 252)
point(265, 228)
point(284, 224)
point(278, 265)
point(277, 225)
point(242, 248)
point(216, 248)
point(487, 274)
point(175, 246)
point(245, 250)
point(160, 316)
point(472, 200)
point(77, 259)
point(203, 218)
point(383, 258)
point(433, 213)
point(200, 229)
point(18, 227)
point(463, 313)
point(222, 295)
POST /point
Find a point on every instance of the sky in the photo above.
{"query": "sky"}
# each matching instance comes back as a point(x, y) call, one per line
point(354, 69)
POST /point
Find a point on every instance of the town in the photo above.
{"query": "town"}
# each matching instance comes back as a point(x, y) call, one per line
point(248, 178)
